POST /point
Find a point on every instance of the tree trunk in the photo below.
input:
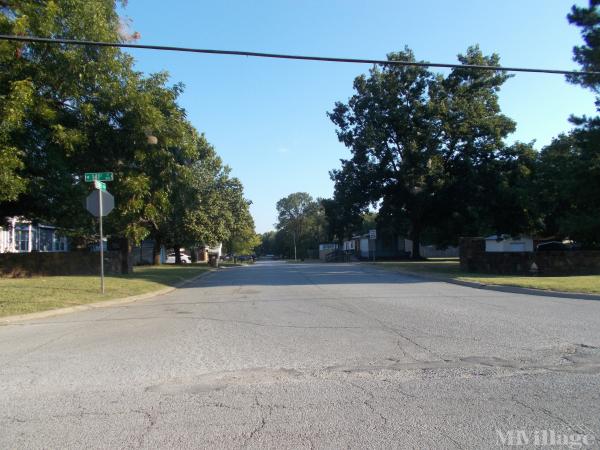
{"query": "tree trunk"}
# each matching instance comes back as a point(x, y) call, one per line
point(416, 244)
point(126, 256)
point(156, 251)
point(177, 254)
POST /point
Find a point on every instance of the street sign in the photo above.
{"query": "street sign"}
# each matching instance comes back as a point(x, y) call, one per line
point(99, 185)
point(92, 202)
point(100, 176)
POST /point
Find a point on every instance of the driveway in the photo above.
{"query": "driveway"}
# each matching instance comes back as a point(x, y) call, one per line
point(306, 356)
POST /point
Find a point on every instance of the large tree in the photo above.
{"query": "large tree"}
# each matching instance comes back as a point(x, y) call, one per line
point(568, 185)
point(421, 144)
point(301, 224)
point(568, 179)
point(212, 207)
point(268, 244)
point(588, 54)
point(58, 90)
point(67, 110)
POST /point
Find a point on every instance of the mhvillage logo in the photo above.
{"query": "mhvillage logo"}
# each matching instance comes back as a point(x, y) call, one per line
point(546, 438)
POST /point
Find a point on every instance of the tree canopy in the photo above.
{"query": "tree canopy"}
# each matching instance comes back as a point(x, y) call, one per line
point(428, 151)
point(301, 227)
point(568, 180)
point(67, 110)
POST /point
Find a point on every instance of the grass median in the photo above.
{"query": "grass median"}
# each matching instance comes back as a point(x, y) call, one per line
point(28, 295)
point(450, 268)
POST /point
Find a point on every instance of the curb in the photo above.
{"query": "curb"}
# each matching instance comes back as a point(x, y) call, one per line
point(101, 304)
point(501, 288)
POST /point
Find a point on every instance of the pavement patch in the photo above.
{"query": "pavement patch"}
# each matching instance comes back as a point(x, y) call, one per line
point(220, 380)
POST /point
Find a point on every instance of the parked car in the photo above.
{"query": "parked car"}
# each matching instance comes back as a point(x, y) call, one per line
point(555, 246)
point(185, 259)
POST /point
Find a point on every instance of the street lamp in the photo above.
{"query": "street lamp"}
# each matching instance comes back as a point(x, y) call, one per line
point(151, 140)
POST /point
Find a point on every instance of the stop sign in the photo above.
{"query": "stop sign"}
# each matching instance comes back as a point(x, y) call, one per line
point(92, 202)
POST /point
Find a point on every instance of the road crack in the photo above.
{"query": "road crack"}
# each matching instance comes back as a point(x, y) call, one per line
point(368, 402)
point(547, 413)
point(152, 417)
point(263, 420)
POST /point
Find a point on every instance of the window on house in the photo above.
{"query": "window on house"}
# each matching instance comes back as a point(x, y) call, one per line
point(59, 243)
point(22, 238)
point(35, 239)
point(46, 237)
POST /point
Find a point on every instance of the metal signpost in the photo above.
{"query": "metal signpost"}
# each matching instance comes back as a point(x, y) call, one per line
point(373, 237)
point(100, 202)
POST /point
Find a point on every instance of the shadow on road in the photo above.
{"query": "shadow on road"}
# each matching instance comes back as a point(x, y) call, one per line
point(281, 273)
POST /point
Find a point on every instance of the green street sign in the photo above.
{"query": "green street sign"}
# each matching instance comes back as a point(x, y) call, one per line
point(90, 177)
point(99, 185)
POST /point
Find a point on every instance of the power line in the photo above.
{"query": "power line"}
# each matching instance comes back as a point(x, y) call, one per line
point(285, 56)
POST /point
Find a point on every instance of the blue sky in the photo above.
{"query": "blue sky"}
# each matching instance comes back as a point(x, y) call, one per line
point(267, 118)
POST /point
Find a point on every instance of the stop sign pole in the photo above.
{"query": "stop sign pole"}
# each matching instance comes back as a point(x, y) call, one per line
point(101, 242)
point(95, 205)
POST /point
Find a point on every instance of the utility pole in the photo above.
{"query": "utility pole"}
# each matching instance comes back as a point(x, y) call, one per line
point(373, 239)
point(294, 234)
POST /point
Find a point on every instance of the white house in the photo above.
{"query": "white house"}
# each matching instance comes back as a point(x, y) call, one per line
point(22, 236)
point(349, 246)
point(427, 251)
point(506, 243)
point(396, 247)
point(215, 250)
point(326, 249)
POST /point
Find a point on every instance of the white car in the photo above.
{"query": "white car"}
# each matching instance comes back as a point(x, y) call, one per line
point(185, 259)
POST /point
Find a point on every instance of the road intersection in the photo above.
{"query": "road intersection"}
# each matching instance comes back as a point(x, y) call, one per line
point(305, 356)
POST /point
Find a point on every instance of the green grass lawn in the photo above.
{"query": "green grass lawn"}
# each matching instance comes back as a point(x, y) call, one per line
point(449, 268)
point(27, 295)
point(588, 284)
point(434, 266)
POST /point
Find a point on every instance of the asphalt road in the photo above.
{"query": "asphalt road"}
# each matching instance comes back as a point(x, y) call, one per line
point(306, 356)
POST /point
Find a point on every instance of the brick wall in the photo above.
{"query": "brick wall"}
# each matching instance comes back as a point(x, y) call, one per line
point(473, 258)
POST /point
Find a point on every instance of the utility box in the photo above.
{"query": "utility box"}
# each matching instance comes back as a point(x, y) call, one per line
point(213, 260)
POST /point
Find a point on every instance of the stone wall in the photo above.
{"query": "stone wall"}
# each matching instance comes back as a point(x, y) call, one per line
point(17, 265)
point(474, 258)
